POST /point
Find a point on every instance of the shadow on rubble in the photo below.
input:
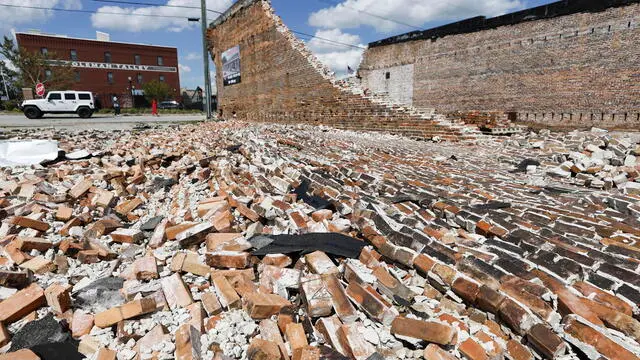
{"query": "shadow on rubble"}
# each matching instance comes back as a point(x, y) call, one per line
point(302, 192)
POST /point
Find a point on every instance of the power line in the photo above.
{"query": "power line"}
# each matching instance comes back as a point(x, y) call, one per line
point(221, 13)
point(156, 5)
point(372, 15)
point(90, 12)
point(166, 16)
point(328, 40)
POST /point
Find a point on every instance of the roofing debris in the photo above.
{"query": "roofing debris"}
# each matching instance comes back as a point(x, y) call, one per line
point(303, 243)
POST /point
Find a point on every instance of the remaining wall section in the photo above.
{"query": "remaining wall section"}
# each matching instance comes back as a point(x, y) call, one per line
point(281, 81)
point(396, 82)
point(579, 69)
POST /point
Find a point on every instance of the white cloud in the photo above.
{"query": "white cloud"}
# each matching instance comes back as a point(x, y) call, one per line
point(332, 48)
point(13, 16)
point(319, 43)
point(193, 56)
point(105, 19)
point(183, 69)
point(413, 12)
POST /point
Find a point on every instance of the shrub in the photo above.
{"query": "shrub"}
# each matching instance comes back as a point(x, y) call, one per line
point(10, 105)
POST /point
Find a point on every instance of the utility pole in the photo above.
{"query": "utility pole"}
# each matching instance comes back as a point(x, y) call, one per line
point(4, 82)
point(205, 58)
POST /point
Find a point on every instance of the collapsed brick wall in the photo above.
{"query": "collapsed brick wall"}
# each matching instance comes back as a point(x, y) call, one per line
point(281, 81)
point(580, 69)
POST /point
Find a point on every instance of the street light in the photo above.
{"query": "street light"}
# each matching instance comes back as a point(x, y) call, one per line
point(205, 55)
point(130, 90)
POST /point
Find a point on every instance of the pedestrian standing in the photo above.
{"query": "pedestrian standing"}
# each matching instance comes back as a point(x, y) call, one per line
point(154, 108)
point(116, 106)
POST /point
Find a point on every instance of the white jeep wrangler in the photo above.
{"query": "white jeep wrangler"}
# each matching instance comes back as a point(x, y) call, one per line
point(60, 102)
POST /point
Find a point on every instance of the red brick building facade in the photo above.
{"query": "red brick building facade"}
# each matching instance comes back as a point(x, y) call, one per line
point(109, 68)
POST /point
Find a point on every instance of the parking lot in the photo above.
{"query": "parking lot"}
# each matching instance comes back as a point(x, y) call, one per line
point(98, 121)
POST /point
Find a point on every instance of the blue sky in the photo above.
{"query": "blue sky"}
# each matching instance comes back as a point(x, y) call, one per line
point(355, 22)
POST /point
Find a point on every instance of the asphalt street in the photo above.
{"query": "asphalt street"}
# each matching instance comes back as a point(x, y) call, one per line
point(98, 122)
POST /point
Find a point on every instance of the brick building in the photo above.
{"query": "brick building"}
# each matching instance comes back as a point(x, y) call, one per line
point(109, 68)
point(569, 63)
point(264, 73)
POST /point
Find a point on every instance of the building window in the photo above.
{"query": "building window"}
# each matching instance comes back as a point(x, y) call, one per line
point(47, 74)
point(76, 75)
point(139, 78)
point(110, 77)
point(74, 55)
point(160, 61)
point(162, 78)
point(387, 75)
point(107, 57)
point(44, 51)
point(136, 59)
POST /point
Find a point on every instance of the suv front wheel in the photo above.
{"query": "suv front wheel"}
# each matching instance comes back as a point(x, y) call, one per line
point(32, 112)
point(85, 112)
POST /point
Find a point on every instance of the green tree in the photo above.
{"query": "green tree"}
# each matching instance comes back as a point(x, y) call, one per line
point(155, 89)
point(34, 67)
point(10, 78)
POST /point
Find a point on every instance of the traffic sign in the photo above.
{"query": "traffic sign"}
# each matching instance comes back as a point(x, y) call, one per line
point(40, 89)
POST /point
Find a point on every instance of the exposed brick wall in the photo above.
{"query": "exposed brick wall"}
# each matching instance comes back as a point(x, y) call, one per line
point(283, 82)
point(581, 69)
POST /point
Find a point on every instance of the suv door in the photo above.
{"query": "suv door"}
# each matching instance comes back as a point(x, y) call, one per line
point(70, 102)
point(54, 102)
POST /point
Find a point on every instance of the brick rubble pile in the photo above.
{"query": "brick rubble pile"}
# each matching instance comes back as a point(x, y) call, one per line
point(155, 245)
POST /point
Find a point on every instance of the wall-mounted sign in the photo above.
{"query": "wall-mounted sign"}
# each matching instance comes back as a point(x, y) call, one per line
point(231, 66)
point(111, 66)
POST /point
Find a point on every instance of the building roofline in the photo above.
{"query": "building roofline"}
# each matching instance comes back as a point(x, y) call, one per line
point(94, 40)
point(232, 10)
point(480, 23)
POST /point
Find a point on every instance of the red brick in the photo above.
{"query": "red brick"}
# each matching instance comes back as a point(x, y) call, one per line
point(5, 338)
point(187, 343)
point(296, 336)
point(434, 352)
point(176, 292)
point(426, 330)
point(81, 324)
point(24, 354)
point(263, 306)
point(545, 341)
point(472, 350)
point(604, 345)
point(260, 349)
point(228, 259)
point(58, 297)
point(353, 343)
point(22, 303)
point(29, 223)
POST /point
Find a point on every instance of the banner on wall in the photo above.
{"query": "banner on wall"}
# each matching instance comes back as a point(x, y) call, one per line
point(231, 66)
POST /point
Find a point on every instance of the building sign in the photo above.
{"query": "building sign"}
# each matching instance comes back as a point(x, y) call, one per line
point(231, 66)
point(111, 66)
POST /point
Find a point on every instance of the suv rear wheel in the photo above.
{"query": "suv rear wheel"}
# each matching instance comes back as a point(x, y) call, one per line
point(32, 112)
point(84, 112)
